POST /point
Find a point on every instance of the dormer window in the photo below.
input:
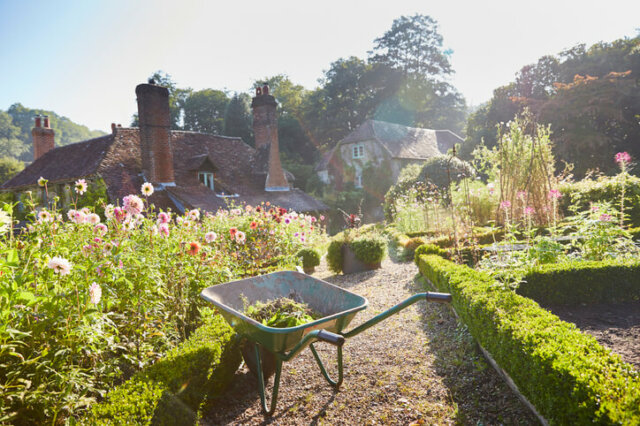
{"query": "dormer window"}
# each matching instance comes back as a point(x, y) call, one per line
point(206, 178)
point(358, 151)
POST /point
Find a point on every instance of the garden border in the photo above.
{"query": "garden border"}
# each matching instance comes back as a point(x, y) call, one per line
point(565, 374)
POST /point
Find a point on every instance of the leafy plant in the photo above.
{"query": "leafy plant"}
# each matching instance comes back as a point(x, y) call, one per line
point(281, 313)
point(310, 257)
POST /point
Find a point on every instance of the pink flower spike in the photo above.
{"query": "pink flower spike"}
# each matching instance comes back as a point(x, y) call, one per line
point(554, 194)
point(623, 158)
point(605, 217)
point(529, 211)
point(505, 205)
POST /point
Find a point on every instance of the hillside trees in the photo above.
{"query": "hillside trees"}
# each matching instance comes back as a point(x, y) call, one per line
point(589, 97)
point(204, 111)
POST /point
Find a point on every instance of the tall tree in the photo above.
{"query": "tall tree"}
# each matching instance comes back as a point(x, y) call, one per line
point(11, 144)
point(238, 119)
point(9, 167)
point(413, 45)
point(204, 111)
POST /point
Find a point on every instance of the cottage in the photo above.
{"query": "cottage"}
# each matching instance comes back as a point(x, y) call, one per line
point(188, 169)
point(379, 142)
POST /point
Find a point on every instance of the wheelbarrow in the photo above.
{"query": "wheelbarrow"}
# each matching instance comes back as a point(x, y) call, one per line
point(266, 348)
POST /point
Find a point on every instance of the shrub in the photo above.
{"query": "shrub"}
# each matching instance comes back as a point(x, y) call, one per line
point(310, 257)
point(172, 390)
point(442, 169)
point(366, 242)
point(603, 189)
point(566, 374)
point(334, 256)
point(582, 282)
point(429, 249)
point(369, 249)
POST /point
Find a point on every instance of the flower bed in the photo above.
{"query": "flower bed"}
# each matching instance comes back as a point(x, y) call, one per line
point(86, 300)
point(565, 374)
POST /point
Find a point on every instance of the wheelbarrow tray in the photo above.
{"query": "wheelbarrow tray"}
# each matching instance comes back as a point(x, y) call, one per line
point(337, 305)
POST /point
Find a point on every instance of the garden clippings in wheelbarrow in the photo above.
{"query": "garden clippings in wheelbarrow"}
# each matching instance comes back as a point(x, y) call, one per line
point(425, 369)
point(282, 312)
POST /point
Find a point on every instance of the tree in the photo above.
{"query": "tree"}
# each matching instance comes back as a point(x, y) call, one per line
point(238, 119)
point(204, 111)
point(11, 144)
point(66, 131)
point(414, 46)
point(9, 167)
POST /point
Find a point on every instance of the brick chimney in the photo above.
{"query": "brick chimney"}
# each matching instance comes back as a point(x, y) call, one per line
point(265, 130)
point(43, 137)
point(155, 133)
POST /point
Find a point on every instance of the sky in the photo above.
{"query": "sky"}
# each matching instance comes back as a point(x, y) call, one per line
point(83, 59)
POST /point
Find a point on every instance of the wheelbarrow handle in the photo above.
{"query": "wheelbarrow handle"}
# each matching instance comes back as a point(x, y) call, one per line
point(438, 297)
point(334, 339)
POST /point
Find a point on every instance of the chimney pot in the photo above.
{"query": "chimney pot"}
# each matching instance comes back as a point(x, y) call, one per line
point(113, 127)
point(258, 91)
point(265, 89)
point(43, 137)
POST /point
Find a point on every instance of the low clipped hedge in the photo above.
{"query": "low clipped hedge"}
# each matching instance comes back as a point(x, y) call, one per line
point(171, 391)
point(582, 282)
point(367, 245)
point(565, 374)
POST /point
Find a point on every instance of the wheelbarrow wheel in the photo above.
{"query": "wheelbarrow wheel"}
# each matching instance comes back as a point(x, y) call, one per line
point(267, 358)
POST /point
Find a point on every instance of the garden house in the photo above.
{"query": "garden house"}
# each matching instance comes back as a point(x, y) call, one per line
point(188, 169)
point(379, 142)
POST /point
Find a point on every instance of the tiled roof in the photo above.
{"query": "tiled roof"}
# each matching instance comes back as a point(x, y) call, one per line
point(402, 141)
point(116, 158)
point(79, 160)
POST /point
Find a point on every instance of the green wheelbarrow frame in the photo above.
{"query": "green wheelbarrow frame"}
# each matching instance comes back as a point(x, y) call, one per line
point(338, 306)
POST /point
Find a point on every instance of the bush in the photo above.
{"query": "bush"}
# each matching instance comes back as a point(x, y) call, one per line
point(566, 374)
point(367, 244)
point(172, 390)
point(582, 282)
point(369, 249)
point(334, 256)
point(310, 257)
point(429, 249)
point(603, 189)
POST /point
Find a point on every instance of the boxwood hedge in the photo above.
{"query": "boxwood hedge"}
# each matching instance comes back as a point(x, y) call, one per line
point(582, 282)
point(171, 391)
point(565, 374)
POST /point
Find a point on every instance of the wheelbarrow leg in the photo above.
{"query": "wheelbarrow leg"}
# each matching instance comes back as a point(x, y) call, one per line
point(261, 385)
point(335, 384)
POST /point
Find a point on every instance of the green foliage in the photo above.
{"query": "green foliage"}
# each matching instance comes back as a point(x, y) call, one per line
point(172, 390)
point(426, 249)
point(590, 98)
point(9, 167)
point(238, 118)
point(22, 118)
point(566, 374)
point(442, 170)
point(334, 256)
point(204, 111)
point(310, 257)
point(413, 45)
point(86, 302)
point(583, 193)
point(369, 248)
point(574, 283)
point(368, 245)
point(281, 313)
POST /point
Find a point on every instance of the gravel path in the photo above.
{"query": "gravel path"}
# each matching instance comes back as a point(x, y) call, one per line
point(417, 367)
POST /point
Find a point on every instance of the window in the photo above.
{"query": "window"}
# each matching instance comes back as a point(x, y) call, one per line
point(206, 178)
point(357, 181)
point(358, 151)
